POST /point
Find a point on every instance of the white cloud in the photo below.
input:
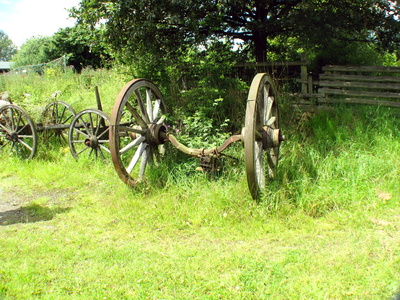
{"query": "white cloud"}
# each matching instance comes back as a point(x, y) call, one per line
point(24, 19)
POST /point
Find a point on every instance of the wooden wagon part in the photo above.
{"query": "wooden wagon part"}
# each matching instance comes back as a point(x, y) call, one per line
point(138, 132)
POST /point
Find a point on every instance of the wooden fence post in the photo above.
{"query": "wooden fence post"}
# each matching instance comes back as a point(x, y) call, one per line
point(305, 83)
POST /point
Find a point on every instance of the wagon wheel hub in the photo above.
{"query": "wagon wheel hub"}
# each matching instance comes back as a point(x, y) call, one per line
point(92, 142)
point(13, 136)
point(155, 134)
point(271, 137)
point(158, 134)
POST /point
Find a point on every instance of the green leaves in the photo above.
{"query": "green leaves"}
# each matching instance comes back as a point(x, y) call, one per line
point(7, 48)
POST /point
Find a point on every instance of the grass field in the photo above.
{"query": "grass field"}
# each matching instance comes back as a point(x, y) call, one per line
point(328, 227)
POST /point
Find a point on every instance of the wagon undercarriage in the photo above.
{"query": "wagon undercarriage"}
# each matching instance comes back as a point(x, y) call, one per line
point(135, 133)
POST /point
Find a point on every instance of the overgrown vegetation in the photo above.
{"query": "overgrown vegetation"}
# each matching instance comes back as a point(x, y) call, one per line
point(326, 228)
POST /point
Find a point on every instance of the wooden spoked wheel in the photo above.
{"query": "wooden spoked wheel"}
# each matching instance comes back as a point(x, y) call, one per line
point(18, 134)
point(89, 134)
point(135, 126)
point(261, 134)
point(56, 118)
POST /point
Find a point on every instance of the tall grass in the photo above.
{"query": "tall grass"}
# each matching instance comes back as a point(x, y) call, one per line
point(33, 91)
point(326, 228)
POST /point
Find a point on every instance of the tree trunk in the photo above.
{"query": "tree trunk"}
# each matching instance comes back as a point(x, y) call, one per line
point(260, 48)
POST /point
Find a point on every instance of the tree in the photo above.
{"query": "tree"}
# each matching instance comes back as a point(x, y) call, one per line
point(36, 50)
point(7, 48)
point(82, 45)
point(165, 27)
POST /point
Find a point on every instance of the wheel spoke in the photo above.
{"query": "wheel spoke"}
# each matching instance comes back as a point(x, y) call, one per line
point(12, 120)
point(19, 121)
point(88, 128)
point(67, 119)
point(135, 114)
point(4, 128)
point(78, 131)
point(25, 144)
point(136, 157)
point(63, 137)
point(24, 136)
point(122, 128)
point(4, 145)
point(103, 133)
point(156, 109)
point(104, 148)
point(132, 144)
point(101, 153)
point(97, 125)
point(162, 119)
point(271, 121)
point(84, 149)
point(143, 163)
point(149, 105)
point(61, 118)
point(258, 152)
point(141, 106)
point(54, 113)
point(91, 123)
point(5, 118)
point(20, 130)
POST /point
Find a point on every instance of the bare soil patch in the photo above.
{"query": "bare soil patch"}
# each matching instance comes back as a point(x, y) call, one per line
point(17, 206)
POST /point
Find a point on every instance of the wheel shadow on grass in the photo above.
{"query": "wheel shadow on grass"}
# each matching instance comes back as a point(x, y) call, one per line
point(30, 214)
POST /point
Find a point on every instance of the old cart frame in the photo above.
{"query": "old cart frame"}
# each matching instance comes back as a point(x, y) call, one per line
point(138, 132)
point(18, 132)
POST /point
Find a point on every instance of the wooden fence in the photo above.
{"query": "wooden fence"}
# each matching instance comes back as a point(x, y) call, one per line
point(369, 85)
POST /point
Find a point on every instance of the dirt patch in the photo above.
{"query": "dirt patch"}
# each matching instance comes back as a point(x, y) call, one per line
point(17, 206)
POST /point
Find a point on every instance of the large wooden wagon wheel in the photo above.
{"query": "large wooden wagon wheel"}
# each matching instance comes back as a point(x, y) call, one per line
point(56, 119)
point(262, 136)
point(18, 134)
point(135, 126)
point(88, 134)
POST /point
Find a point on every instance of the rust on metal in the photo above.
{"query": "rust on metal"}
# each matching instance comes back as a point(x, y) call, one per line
point(202, 152)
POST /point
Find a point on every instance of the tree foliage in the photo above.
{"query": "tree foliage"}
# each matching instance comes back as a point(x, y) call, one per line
point(165, 27)
point(36, 50)
point(83, 47)
point(7, 48)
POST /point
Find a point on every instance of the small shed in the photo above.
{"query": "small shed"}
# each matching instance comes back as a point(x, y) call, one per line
point(5, 66)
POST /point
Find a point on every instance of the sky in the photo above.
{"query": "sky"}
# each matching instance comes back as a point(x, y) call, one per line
point(23, 19)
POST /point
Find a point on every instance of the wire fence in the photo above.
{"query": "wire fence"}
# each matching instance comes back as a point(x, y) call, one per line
point(58, 64)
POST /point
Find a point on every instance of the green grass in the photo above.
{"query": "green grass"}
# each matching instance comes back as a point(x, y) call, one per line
point(326, 228)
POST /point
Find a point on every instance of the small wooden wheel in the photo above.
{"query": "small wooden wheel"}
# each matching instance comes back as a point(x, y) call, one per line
point(88, 134)
point(17, 132)
point(136, 127)
point(55, 119)
point(261, 134)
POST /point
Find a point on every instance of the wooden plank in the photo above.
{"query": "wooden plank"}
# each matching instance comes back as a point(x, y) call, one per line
point(361, 69)
point(360, 101)
point(275, 64)
point(309, 95)
point(366, 85)
point(342, 92)
point(328, 76)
